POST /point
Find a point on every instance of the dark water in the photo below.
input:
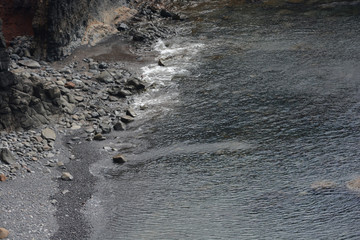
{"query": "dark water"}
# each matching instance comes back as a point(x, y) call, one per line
point(253, 107)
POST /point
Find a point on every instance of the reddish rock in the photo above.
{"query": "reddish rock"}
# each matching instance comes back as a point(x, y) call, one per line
point(2, 177)
point(4, 233)
point(69, 85)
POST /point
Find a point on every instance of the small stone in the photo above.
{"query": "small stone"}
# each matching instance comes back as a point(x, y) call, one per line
point(130, 112)
point(99, 137)
point(60, 164)
point(160, 63)
point(69, 85)
point(4, 233)
point(66, 176)
point(119, 159)
point(2, 177)
point(48, 134)
point(127, 119)
point(119, 126)
point(6, 156)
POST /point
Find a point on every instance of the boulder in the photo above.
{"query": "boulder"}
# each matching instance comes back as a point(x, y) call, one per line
point(29, 63)
point(4, 233)
point(119, 159)
point(6, 156)
point(48, 134)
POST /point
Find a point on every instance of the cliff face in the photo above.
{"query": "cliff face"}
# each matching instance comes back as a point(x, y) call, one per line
point(17, 16)
point(6, 78)
point(60, 25)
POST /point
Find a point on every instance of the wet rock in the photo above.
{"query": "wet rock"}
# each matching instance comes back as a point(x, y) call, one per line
point(6, 156)
point(48, 134)
point(29, 63)
point(66, 176)
point(354, 185)
point(119, 159)
point(323, 186)
point(160, 63)
point(137, 83)
point(4, 233)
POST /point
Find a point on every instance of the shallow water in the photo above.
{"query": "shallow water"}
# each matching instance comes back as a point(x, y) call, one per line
point(253, 106)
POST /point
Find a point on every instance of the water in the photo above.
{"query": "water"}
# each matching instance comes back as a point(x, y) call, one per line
point(254, 105)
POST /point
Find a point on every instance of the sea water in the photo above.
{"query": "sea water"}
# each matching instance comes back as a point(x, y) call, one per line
point(252, 107)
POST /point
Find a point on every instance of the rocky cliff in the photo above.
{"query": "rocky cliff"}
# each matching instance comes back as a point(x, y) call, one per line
point(6, 78)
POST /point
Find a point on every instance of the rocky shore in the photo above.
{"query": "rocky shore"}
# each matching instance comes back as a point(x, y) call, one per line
point(49, 108)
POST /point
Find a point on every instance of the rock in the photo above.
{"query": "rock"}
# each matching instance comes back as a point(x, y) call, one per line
point(119, 159)
point(29, 63)
point(323, 185)
point(69, 85)
point(4, 233)
point(2, 177)
point(48, 134)
point(106, 128)
point(99, 137)
point(130, 112)
point(135, 82)
point(122, 27)
point(6, 156)
point(119, 126)
point(127, 119)
point(66, 176)
point(167, 14)
point(354, 185)
point(160, 63)
point(105, 77)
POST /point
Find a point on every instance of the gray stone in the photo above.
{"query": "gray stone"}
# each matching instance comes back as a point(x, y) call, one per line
point(127, 119)
point(48, 134)
point(29, 63)
point(130, 112)
point(6, 156)
point(105, 77)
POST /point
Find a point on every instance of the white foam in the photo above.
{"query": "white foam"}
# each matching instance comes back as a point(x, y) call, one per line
point(178, 58)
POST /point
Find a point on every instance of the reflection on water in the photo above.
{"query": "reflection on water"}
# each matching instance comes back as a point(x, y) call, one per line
point(269, 106)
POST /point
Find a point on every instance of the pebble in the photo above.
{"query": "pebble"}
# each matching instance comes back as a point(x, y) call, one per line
point(119, 159)
point(4, 233)
point(66, 176)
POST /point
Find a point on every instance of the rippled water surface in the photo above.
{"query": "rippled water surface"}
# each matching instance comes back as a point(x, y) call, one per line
point(253, 107)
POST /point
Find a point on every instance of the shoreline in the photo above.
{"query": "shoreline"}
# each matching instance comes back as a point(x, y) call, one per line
point(57, 205)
